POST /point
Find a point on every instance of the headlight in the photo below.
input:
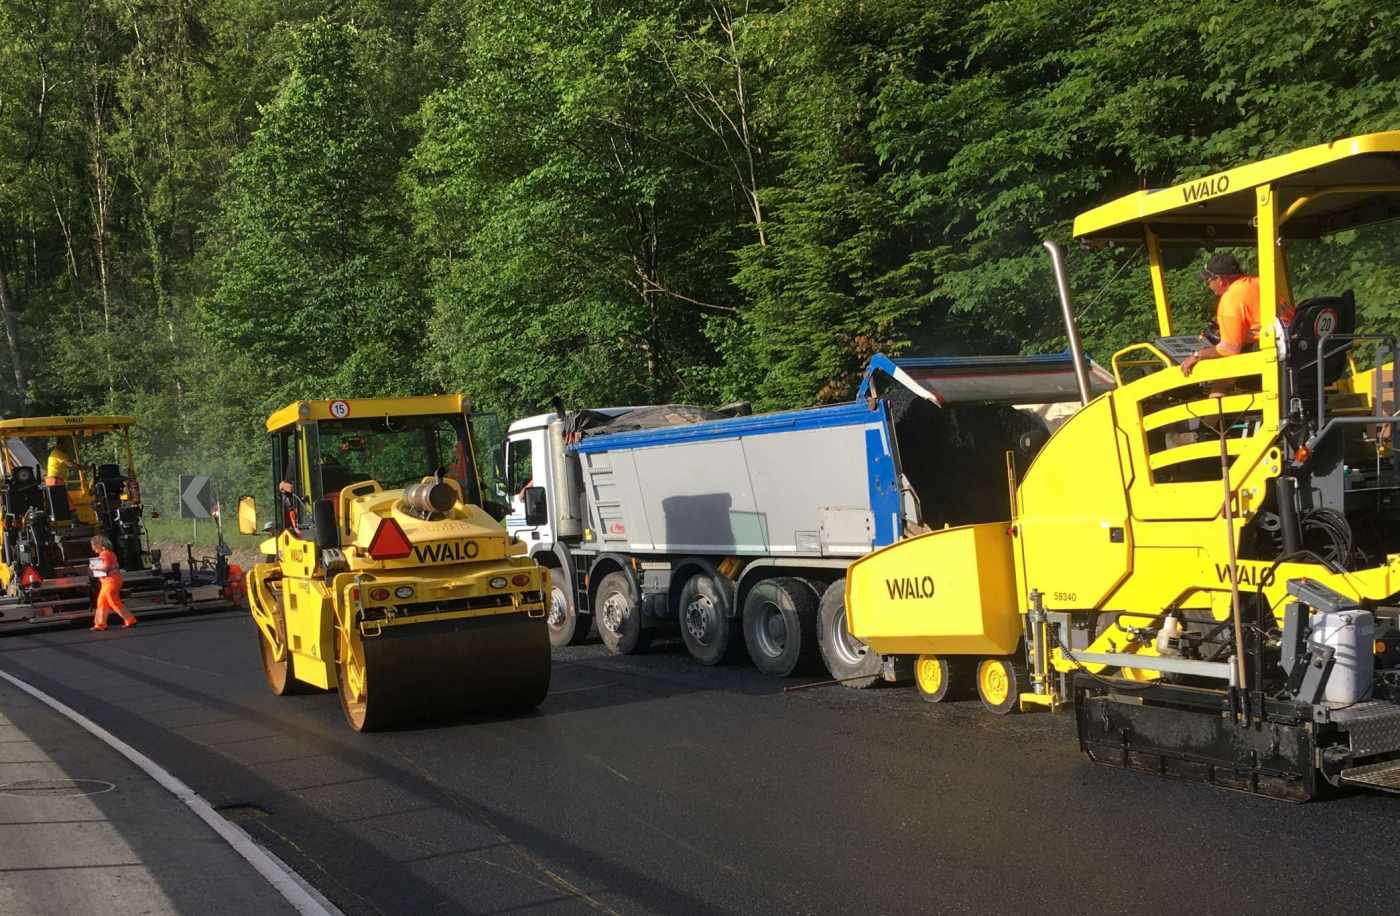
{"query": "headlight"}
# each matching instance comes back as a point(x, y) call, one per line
point(404, 591)
point(499, 582)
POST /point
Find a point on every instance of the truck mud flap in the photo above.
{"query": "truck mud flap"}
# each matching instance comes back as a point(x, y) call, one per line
point(442, 669)
point(1203, 744)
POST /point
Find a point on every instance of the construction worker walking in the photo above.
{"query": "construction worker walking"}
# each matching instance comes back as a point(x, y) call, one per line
point(109, 574)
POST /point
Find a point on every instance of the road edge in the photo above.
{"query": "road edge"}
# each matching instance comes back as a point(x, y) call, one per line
point(304, 898)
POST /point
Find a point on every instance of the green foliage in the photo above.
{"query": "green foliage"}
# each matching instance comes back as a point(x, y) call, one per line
point(211, 207)
point(317, 280)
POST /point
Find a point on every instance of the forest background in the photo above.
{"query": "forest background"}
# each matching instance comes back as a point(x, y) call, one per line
point(209, 208)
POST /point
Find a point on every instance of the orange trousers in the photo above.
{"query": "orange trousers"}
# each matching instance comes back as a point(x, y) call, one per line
point(109, 598)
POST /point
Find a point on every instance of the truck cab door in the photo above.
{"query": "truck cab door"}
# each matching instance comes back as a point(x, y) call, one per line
point(527, 462)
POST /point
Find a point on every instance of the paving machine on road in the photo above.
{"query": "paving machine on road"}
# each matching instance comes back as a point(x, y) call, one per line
point(1205, 565)
point(66, 479)
point(737, 530)
point(385, 579)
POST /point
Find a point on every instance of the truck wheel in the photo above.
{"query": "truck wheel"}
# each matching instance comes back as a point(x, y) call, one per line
point(707, 628)
point(567, 627)
point(938, 677)
point(848, 659)
point(619, 616)
point(999, 684)
point(780, 626)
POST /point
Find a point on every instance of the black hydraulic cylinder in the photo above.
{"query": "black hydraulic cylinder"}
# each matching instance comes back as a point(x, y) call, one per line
point(1285, 489)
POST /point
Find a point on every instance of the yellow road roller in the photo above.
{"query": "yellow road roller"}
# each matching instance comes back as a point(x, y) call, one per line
point(384, 576)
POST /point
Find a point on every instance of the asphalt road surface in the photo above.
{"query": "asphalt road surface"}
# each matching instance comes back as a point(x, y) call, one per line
point(651, 784)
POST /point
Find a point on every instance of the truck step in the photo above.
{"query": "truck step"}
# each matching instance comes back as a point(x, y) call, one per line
point(1384, 776)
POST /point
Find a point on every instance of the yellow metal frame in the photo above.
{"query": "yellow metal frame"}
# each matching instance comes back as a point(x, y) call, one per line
point(75, 427)
point(360, 408)
point(1123, 219)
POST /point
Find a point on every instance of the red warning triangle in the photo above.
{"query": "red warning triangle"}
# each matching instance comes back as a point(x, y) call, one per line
point(389, 542)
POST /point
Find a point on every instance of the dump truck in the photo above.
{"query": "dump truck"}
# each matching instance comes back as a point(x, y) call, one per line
point(737, 530)
point(66, 479)
point(384, 577)
point(1203, 565)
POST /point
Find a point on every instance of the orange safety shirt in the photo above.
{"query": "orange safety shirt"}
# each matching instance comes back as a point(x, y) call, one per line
point(1237, 315)
point(107, 560)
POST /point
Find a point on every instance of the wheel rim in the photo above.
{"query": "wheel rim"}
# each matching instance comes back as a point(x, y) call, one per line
point(353, 689)
point(994, 681)
point(772, 632)
point(929, 673)
point(698, 620)
point(275, 671)
point(614, 613)
point(848, 649)
point(558, 607)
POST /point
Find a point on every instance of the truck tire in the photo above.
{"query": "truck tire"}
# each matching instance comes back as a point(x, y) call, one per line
point(567, 627)
point(848, 659)
point(620, 616)
point(780, 626)
point(709, 631)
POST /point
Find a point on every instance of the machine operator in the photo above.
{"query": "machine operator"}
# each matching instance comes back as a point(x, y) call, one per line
point(1236, 312)
point(60, 464)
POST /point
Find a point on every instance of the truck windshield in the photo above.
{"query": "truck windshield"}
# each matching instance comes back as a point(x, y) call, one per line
point(396, 451)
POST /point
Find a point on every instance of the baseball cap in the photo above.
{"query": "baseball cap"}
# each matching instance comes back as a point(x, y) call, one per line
point(1222, 264)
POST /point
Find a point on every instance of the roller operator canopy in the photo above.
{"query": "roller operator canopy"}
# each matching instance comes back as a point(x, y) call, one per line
point(1320, 190)
point(362, 408)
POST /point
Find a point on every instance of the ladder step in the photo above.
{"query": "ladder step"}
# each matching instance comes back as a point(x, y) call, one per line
point(1384, 776)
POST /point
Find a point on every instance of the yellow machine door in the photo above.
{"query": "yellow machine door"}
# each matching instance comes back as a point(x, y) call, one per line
point(1075, 536)
point(307, 609)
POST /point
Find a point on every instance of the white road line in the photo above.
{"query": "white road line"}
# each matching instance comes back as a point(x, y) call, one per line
point(302, 896)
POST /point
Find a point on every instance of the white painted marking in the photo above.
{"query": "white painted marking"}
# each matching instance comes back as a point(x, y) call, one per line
point(304, 898)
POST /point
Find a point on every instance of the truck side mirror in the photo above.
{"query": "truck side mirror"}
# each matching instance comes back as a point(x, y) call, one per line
point(247, 515)
point(536, 512)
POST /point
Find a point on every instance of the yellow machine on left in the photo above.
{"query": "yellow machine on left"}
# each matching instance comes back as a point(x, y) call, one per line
point(384, 577)
point(65, 480)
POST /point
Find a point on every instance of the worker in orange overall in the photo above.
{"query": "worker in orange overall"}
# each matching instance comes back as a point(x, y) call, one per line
point(109, 596)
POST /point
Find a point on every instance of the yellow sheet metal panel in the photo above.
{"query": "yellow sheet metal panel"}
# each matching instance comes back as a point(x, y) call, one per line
point(1228, 196)
point(949, 592)
point(62, 426)
point(1074, 532)
point(357, 408)
point(310, 630)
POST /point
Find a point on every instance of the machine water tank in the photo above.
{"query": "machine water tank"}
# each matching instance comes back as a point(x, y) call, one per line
point(1351, 634)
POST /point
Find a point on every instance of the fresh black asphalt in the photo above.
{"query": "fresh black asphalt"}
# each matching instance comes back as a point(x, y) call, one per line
point(652, 784)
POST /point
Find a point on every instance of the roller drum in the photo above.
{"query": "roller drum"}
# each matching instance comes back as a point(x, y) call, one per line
point(440, 670)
